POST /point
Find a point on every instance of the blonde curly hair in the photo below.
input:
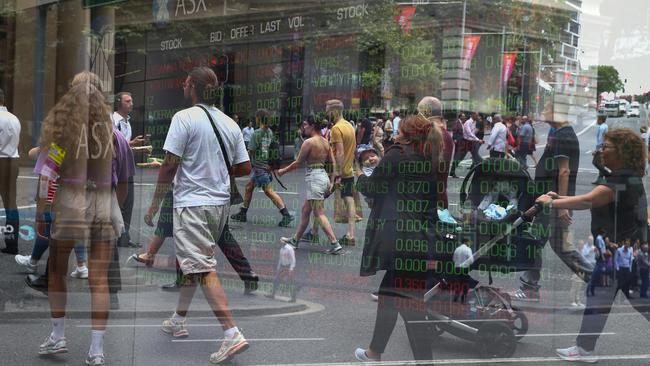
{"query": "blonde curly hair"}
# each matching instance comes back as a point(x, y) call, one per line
point(81, 119)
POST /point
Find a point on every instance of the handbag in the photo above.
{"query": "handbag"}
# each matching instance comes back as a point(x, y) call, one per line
point(235, 196)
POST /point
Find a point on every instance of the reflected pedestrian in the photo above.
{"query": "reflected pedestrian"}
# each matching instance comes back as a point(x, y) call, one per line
point(401, 290)
point(618, 204)
point(85, 207)
point(9, 141)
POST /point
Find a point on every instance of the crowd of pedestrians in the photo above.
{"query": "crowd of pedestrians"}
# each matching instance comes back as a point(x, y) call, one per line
point(85, 200)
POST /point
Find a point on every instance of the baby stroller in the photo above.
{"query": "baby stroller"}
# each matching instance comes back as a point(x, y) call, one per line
point(498, 197)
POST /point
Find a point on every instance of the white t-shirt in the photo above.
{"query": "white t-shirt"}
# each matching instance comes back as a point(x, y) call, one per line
point(248, 133)
point(498, 137)
point(9, 134)
point(123, 125)
point(202, 178)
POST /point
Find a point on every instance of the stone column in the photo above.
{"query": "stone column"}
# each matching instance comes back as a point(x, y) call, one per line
point(73, 51)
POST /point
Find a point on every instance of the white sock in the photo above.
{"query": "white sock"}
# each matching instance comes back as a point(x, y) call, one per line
point(58, 328)
point(177, 318)
point(230, 333)
point(96, 343)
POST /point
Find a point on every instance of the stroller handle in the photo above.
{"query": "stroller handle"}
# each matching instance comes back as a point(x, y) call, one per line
point(532, 212)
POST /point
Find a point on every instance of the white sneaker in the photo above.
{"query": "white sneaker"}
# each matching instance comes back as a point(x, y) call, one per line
point(51, 346)
point(176, 329)
point(95, 360)
point(26, 261)
point(576, 353)
point(80, 272)
point(229, 348)
point(362, 356)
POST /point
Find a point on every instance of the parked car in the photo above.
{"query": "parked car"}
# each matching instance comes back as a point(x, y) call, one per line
point(634, 110)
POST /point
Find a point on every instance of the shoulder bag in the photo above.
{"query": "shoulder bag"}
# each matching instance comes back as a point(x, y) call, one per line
point(235, 196)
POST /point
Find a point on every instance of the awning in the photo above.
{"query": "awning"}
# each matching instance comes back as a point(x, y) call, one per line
point(95, 3)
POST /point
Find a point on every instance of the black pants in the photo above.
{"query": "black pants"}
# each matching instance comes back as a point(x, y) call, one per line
point(234, 255)
point(8, 178)
point(599, 306)
point(645, 281)
point(624, 280)
point(597, 162)
point(497, 154)
point(114, 275)
point(127, 212)
point(393, 301)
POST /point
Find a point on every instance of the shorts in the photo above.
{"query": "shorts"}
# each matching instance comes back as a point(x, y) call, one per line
point(86, 214)
point(261, 177)
point(317, 183)
point(347, 187)
point(165, 225)
point(196, 231)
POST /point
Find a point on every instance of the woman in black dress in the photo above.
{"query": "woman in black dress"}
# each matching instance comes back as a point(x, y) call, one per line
point(400, 234)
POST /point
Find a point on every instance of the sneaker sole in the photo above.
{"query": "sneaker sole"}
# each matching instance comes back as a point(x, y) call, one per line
point(589, 360)
point(176, 335)
point(53, 352)
point(235, 351)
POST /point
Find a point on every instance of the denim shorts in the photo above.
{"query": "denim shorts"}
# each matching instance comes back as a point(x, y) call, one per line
point(261, 177)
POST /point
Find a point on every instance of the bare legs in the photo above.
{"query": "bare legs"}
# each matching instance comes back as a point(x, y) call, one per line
point(320, 219)
point(213, 292)
point(352, 216)
point(100, 256)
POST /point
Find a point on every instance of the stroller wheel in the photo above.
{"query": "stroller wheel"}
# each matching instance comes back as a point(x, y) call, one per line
point(496, 340)
point(519, 324)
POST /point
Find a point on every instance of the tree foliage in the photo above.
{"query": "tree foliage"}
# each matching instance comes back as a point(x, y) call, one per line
point(608, 79)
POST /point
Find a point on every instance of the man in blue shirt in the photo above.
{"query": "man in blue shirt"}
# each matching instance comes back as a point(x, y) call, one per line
point(623, 264)
point(598, 152)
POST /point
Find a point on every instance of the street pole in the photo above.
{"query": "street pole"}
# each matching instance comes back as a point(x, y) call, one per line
point(523, 76)
point(462, 57)
point(539, 78)
point(503, 48)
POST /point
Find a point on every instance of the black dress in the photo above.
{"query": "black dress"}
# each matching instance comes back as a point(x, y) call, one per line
point(400, 237)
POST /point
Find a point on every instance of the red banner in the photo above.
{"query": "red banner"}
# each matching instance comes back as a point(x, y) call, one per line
point(404, 18)
point(508, 66)
point(470, 44)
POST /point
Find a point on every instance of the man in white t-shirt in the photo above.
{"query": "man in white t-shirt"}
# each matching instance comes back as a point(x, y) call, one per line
point(121, 121)
point(195, 162)
point(9, 140)
point(248, 133)
point(498, 139)
point(122, 118)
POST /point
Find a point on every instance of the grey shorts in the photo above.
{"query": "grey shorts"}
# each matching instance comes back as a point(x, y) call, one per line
point(196, 231)
point(86, 214)
point(317, 183)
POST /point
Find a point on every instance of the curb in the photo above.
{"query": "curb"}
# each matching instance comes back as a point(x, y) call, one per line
point(127, 315)
point(615, 309)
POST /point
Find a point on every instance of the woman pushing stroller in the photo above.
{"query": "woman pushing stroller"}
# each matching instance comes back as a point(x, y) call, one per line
point(400, 228)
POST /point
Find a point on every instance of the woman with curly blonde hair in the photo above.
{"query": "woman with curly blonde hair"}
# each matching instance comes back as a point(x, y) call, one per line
point(77, 151)
point(618, 206)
